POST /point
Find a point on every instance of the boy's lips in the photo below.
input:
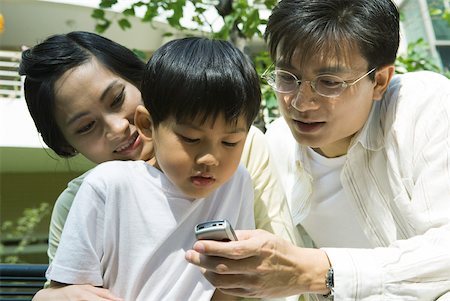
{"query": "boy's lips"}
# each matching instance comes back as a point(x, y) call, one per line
point(202, 180)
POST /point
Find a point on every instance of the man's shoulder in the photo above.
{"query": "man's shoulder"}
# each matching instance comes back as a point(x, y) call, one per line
point(279, 136)
point(419, 85)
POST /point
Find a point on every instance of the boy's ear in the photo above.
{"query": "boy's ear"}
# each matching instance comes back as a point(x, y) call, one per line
point(143, 122)
point(383, 77)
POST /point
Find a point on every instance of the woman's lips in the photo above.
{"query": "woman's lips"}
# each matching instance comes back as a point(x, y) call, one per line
point(132, 144)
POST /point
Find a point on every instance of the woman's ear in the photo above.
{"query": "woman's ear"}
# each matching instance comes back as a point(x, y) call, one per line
point(383, 77)
point(143, 122)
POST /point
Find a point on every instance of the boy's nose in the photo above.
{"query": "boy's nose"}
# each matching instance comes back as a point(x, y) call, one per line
point(208, 159)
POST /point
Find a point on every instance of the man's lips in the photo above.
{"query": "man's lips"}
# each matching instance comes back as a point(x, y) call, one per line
point(308, 127)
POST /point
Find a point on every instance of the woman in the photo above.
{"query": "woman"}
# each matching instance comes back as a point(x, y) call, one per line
point(82, 92)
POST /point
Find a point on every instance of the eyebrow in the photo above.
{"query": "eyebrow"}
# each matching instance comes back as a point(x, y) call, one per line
point(102, 97)
point(75, 118)
point(107, 89)
point(326, 69)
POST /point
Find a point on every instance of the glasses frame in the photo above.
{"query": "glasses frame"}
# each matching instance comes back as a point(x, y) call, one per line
point(269, 76)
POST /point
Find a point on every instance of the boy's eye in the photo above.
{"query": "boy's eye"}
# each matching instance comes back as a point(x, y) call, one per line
point(119, 98)
point(230, 144)
point(188, 140)
point(86, 128)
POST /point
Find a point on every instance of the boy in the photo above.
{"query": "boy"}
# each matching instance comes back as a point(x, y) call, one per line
point(129, 234)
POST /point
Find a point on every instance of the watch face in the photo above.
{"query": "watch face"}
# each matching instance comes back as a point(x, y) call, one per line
point(330, 283)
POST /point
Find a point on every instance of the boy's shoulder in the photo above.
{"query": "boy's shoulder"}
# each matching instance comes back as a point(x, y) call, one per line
point(115, 169)
point(242, 172)
point(240, 178)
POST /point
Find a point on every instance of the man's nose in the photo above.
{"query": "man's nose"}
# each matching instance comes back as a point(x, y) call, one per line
point(304, 99)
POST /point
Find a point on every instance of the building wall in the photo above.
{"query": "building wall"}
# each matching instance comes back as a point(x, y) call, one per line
point(413, 23)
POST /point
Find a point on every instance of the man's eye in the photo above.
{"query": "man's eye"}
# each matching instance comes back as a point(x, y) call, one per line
point(86, 128)
point(329, 82)
point(285, 78)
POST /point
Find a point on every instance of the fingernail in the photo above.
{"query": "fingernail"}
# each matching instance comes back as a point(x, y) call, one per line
point(199, 247)
point(188, 255)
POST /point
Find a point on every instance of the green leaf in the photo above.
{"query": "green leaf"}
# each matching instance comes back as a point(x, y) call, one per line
point(98, 14)
point(124, 24)
point(150, 14)
point(129, 12)
point(107, 3)
point(140, 54)
point(102, 27)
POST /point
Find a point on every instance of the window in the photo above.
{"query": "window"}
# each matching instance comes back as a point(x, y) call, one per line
point(440, 19)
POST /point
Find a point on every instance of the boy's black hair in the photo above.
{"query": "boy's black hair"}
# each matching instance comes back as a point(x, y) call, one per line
point(46, 62)
point(324, 27)
point(195, 77)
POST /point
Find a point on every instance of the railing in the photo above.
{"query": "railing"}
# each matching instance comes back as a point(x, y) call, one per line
point(20, 282)
point(11, 84)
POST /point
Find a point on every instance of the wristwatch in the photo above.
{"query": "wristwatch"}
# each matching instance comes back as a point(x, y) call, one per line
point(329, 282)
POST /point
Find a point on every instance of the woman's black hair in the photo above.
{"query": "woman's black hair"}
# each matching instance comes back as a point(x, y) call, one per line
point(46, 62)
point(200, 78)
point(324, 27)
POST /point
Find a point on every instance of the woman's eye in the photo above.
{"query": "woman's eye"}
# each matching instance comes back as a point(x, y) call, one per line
point(86, 128)
point(118, 100)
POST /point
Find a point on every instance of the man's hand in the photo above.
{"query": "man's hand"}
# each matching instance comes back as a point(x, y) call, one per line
point(75, 293)
point(260, 265)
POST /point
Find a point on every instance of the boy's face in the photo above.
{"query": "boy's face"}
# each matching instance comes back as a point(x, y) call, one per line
point(198, 158)
point(327, 124)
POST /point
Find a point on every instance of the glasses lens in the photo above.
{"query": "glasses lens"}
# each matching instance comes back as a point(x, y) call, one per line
point(329, 85)
point(282, 81)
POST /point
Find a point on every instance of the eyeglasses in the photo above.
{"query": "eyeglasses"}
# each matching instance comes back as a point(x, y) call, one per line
point(283, 81)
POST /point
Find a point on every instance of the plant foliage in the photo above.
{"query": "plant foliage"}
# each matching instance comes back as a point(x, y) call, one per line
point(20, 233)
point(242, 22)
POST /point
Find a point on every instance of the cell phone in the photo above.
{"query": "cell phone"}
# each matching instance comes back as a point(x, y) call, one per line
point(220, 230)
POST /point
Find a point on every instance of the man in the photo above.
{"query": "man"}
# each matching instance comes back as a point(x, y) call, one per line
point(364, 159)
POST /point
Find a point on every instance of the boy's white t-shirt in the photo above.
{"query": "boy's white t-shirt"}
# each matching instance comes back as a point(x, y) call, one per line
point(129, 228)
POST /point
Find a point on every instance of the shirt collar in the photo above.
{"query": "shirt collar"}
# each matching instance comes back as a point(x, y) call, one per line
point(371, 135)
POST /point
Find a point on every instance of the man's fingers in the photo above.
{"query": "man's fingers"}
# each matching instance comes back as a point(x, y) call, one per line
point(106, 294)
point(221, 265)
point(243, 248)
point(235, 285)
point(230, 281)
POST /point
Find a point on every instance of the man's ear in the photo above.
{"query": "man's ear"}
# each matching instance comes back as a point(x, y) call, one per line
point(143, 122)
point(383, 77)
